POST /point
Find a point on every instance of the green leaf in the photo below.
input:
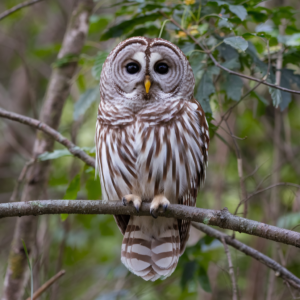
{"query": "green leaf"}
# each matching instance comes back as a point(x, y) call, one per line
point(98, 23)
point(73, 188)
point(239, 10)
point(64, 217)
point(259, 97)
point(150, 31)
point(188, 273)
point(203, 279)
point(293, 40)
point(71, 193)
point(286, 97)
point(93, 187)
point(262, 34)
point(233, 87)
point(85, 101)
point(195, 60)
point(54, 155)
point(289, 220)
point(204, 90)
point(276, 96)
point(126, 26)
point(68, 58)
point(99, 61)
point(237, 42)
point(232, 64)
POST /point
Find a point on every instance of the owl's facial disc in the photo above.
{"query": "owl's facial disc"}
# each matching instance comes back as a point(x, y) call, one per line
point(167, 70)
point(141, 70)
point(128, 70)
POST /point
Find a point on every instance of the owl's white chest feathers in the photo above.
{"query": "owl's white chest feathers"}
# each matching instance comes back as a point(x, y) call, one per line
point(161, 150)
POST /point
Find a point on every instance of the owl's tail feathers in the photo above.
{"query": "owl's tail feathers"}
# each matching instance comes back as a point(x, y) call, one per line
point(151, 254)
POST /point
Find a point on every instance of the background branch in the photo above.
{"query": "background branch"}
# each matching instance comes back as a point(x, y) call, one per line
point(76, 151)
point(17, 7)
point(280, 271)
point(46, 285)
point(231, 270)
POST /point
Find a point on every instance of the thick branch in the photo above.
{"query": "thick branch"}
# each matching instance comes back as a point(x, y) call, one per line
point(280, 271)
point(76, 151)
point(17, 7)
point(221, 218)
point(208, 52)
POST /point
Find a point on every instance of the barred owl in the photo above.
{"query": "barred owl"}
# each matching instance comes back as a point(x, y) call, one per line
point(151, 146)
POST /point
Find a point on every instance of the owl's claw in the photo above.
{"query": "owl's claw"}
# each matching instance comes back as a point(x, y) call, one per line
point(157, 202)
point(132, 199)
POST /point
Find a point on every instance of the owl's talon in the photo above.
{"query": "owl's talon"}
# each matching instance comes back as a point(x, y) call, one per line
point(157, 202)
point(132, 199)
point(165, 206)
point(153, 214)
point(137, 207)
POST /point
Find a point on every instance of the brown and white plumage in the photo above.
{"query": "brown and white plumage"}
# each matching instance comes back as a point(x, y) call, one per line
point(150, 147)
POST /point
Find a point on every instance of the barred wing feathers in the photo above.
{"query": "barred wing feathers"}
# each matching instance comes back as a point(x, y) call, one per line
point(162, 149)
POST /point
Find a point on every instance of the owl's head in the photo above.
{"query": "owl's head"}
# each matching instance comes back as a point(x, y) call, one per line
point(142, 70)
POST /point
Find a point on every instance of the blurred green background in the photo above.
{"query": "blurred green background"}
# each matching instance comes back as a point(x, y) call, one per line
point(245, 36)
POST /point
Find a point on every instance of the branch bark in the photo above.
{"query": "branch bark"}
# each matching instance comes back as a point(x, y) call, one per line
point(37, 175)
point(221, 218)
point(279, 270)
point(46, 285)
point(17, 7)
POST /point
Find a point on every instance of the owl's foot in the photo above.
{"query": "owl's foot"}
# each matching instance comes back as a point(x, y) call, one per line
point(132, 199)
point(157, 202)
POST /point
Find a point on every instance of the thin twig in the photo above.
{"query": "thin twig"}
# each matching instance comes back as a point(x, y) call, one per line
point(240, 171)
point(46, 285)
point(265, 189)
point(231, 270)
point(224, 68)
point(76, 151)
point(221, 218)
point(15, 194)
point(17, 7)
point(267, 261)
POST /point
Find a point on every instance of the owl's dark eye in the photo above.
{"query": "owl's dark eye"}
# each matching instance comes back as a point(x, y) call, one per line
point(161, 68)
point(132, 68)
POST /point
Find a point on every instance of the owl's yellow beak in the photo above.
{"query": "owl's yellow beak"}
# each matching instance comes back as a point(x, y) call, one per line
point(147, 83)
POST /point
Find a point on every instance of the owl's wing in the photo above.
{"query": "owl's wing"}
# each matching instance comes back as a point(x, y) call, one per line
point(200, 128)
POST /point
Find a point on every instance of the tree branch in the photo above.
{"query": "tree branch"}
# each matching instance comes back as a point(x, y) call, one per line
point(208, 52)
point(17, 7)
point(231, 270)
point(76, 151)
point(46, 285)
point(280, 271)
point(221, 218)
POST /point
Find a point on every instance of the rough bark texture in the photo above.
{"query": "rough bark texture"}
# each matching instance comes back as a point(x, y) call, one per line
point(57, 92)
point(221, 218)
